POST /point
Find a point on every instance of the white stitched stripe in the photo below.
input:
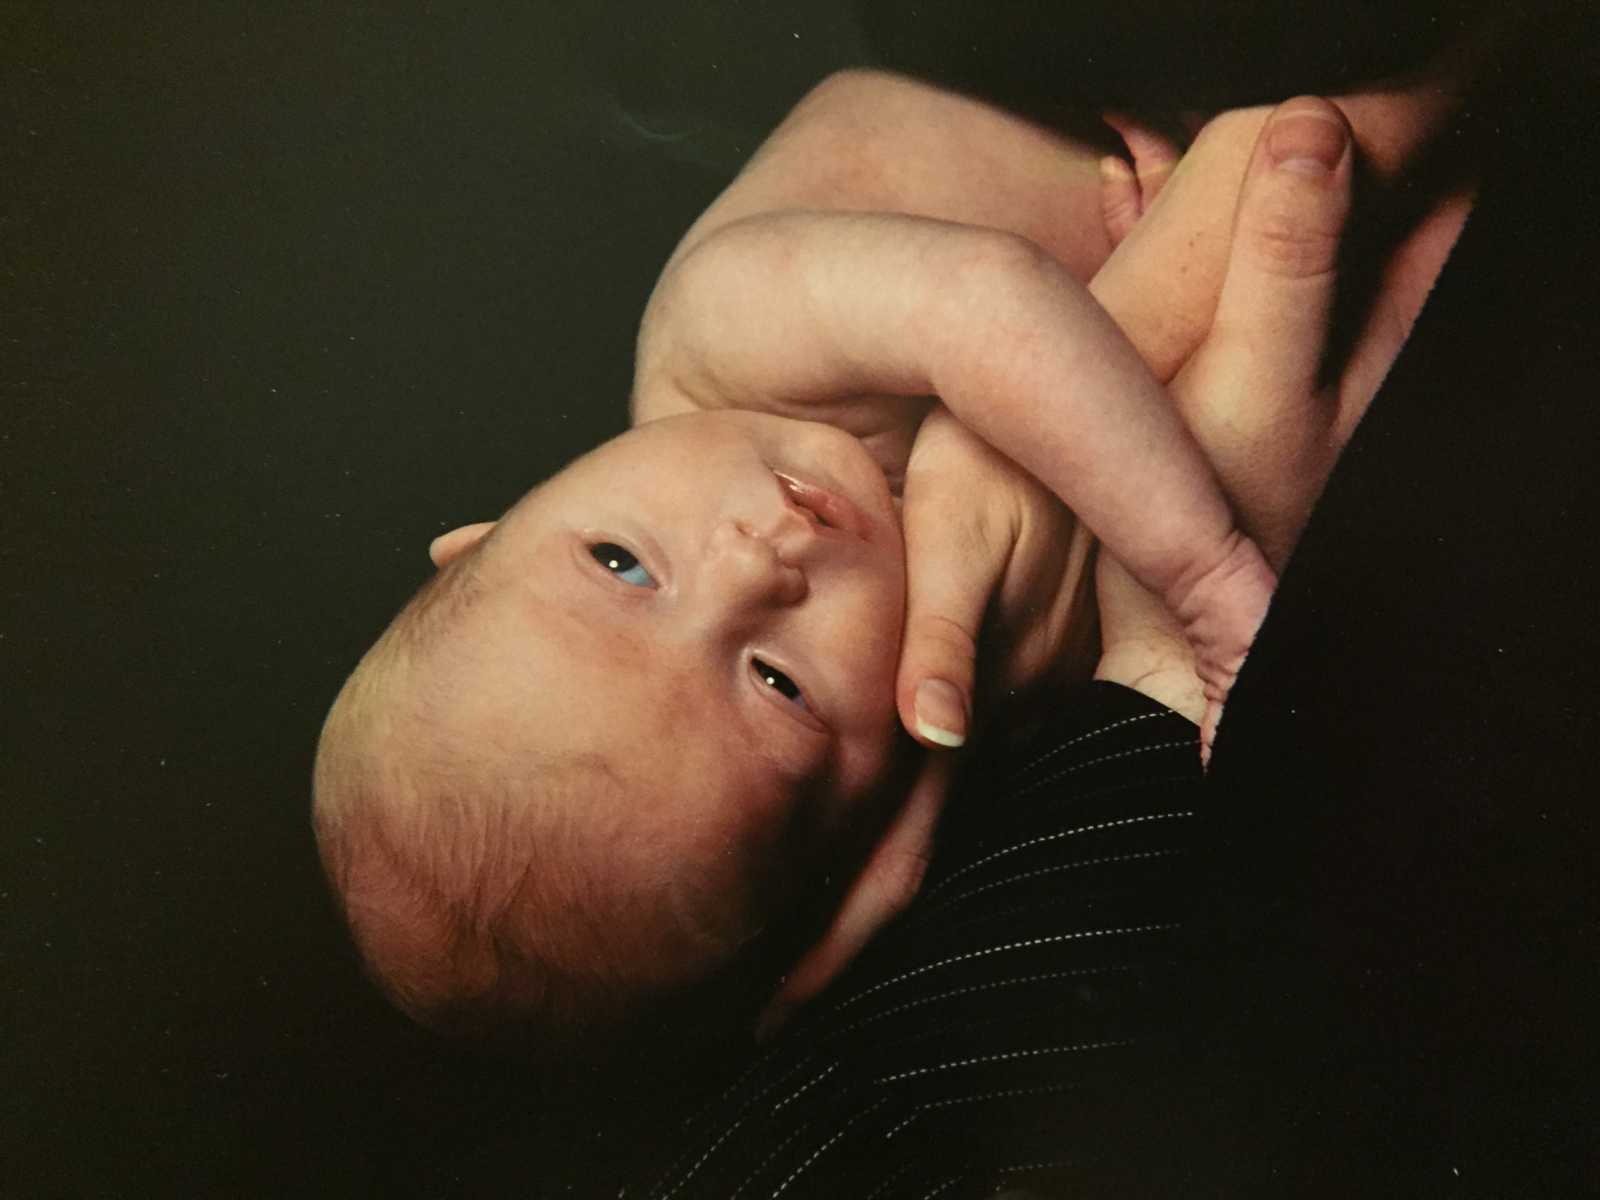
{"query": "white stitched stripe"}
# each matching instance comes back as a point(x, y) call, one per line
point(795, 1174)
point(943, 1187)
point(1037, 1166)
point(915, 1113)
point(1083, 737)
point(986, 887)
point(1071, 866)
point(1007, 1056)
point(1036, 815)
point(728, 1132)
point(887, 1183)
point(978, 1098)
point(804, 1088)
point(1003, 1094)
point(781, 1146)
point(701, 1161)
point(1104, 758)
point(979, 987)
point(1120, 823)
point(1026, 944)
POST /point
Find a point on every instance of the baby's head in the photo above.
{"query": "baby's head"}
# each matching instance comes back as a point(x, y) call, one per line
point(610, 739)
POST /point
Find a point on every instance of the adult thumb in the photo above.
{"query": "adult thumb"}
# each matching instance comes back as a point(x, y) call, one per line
point(1278, 291)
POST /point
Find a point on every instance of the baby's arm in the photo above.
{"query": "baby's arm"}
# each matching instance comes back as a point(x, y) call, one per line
point(869, 141)
point(797, 312)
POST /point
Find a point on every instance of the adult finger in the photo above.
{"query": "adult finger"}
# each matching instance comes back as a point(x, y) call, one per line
point(956, 546)
point(1161, 283)
point(886, 885)
point(1272, 314)
point(1251, 393)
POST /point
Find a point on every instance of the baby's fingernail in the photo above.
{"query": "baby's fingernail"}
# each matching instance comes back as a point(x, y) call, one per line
point(1306, 142)
point(941, 713)
point(1114, 170)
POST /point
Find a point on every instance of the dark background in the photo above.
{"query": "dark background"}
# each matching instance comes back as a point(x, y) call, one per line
point(284, 296)
point(286, 291)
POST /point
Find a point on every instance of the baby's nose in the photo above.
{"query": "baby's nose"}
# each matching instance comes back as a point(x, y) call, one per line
point(750, 567)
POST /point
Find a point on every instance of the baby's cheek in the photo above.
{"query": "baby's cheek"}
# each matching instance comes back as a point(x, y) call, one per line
point(869, 759)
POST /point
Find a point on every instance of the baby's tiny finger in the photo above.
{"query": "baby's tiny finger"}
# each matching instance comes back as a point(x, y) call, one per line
point(1119, 198)
point(1154, 155)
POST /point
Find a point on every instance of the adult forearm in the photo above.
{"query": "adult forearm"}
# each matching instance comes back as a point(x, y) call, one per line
point(871, 141)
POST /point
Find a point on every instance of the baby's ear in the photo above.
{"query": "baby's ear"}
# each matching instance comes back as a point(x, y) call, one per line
point(444, 548)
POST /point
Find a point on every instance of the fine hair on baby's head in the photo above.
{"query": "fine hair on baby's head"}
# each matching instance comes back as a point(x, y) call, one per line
point(491, 881)
point(604, 746)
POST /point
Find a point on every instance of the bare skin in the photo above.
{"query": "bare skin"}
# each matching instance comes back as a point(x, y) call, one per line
point(709, 610)
point(1282, 255)
point(801, 312)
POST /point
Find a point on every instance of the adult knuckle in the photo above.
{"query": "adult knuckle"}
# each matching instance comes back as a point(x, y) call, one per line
point(950, 637)
point(1289, 244)
point(936, 530)
point(1238, 127)
point(948, 518)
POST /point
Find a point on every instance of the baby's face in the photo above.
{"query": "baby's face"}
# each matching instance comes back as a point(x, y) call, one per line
point(714, 603)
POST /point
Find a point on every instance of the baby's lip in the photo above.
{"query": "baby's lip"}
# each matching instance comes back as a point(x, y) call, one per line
point(833, 509)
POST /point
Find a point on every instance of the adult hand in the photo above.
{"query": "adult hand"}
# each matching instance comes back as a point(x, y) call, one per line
point(1251, 391)
point(1170, 218)
point(1253, 248)
point(991, 554)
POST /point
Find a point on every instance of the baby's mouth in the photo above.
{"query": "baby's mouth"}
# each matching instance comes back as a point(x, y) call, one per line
point(829, 510)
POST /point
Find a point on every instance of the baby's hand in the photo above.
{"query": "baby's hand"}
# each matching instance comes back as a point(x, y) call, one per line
point(1256, 402)
point(1220, 614)
point(1172, 223)
point(1127, 192)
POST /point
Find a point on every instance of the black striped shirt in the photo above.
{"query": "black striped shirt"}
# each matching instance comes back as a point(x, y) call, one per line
point(1006, 1030)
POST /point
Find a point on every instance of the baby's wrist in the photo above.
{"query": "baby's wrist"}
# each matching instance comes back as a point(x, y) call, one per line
point(1222, 610)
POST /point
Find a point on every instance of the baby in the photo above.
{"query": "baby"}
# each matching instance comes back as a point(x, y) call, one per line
point(624, 729)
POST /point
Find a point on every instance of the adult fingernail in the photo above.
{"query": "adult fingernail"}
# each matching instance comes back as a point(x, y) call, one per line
point(941, 713)
point(1305, 142)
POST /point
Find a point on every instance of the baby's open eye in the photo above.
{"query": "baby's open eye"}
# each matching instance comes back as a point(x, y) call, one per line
point(778, 681)
point(621, 563)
